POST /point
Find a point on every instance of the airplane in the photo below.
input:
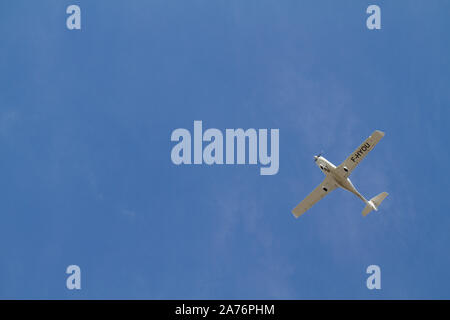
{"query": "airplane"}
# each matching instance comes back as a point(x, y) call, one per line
point(338, 177)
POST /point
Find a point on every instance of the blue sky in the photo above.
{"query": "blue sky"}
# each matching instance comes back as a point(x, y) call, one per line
point(86, 176)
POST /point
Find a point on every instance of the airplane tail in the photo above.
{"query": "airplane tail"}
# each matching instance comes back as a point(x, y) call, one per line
point(374, 203)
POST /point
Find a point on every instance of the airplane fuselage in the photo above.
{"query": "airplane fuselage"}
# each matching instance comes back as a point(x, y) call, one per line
point(339, 178)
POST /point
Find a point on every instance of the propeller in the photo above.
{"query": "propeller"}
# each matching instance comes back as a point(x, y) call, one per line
point(317, 157)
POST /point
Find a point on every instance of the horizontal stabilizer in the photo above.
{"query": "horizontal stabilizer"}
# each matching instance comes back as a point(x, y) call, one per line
point(374, 203)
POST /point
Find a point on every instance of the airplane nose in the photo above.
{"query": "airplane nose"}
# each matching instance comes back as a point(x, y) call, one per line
point(315, 158)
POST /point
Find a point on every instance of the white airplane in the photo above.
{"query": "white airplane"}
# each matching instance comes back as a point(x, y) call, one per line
point(338, 177)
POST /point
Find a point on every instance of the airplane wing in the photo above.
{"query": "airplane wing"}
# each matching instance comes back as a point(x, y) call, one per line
point(317, 194)
point(360, 153)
